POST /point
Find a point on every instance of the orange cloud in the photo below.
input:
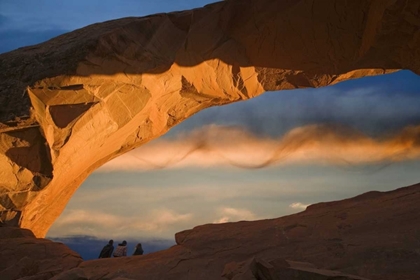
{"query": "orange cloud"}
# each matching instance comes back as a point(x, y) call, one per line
point(224, 146)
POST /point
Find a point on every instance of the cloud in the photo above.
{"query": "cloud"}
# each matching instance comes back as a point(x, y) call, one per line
point(374, 105)
point(233, 146)
point(229, 214)
point(298, 205)
point(104, 225)
point(164, 217)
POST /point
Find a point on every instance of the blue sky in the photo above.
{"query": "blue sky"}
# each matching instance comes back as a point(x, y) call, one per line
point(28, 22)
point(366, 135)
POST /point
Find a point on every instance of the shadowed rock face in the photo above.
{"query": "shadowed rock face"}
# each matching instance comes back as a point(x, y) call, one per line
point(25, 257)
point(72, 103)
point(375, 236)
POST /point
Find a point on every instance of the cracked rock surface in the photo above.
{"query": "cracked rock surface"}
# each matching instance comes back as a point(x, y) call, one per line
point(374, 235)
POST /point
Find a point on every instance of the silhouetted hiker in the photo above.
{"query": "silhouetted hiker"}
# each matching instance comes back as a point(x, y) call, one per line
point(121, 250)
point(107, 250)
point(138, 250)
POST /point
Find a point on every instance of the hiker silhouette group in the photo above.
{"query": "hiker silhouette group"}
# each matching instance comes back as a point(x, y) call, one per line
point(120, 251)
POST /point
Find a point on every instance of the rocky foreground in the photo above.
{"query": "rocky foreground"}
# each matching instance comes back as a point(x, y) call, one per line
point(375, 235)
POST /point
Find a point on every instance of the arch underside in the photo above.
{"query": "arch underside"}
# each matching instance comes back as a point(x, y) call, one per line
point(75, 102)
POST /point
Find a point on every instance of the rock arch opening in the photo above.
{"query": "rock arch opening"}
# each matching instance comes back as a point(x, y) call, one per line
point(238, 162)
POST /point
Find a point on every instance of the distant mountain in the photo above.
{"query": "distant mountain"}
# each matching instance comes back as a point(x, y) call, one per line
point(89, 246)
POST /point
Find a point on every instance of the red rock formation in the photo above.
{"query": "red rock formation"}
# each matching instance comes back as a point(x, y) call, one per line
point(72, 103)
point(22, 256)
point(375, 235)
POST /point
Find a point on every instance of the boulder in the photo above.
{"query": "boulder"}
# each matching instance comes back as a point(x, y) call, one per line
point(23, 256)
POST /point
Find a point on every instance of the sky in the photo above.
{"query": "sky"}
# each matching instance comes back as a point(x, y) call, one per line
point(263, 158)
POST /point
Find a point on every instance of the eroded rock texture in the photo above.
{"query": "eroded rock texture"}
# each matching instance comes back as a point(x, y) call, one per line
point(72, 103)
point(375, 236)
point(25, 257)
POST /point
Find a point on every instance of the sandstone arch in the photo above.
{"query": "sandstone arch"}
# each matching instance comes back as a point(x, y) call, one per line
point(72, 103)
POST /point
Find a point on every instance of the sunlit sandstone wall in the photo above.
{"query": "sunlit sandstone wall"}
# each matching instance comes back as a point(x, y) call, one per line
point(73, 103)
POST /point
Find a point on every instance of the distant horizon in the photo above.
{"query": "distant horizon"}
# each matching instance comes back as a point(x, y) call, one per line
point(89, 247)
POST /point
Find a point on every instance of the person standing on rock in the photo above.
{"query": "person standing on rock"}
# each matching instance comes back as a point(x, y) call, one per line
point(138, 250)
point(121, 250)
point(107, 250)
